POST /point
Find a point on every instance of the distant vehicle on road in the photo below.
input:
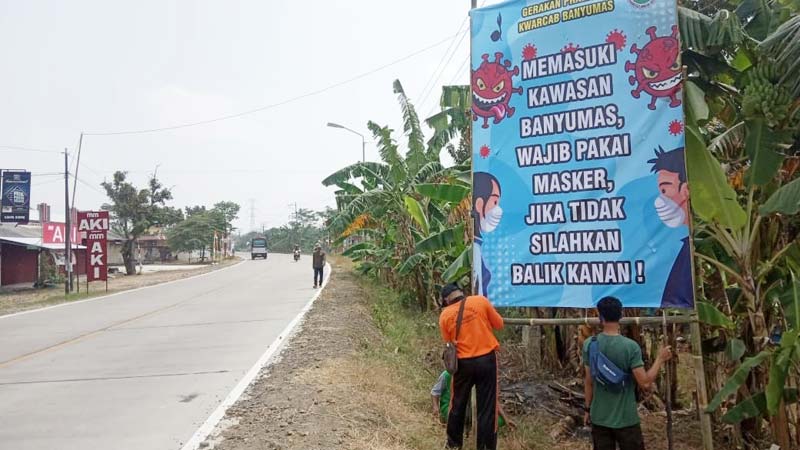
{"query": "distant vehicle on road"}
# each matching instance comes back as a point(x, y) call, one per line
point(258, 248)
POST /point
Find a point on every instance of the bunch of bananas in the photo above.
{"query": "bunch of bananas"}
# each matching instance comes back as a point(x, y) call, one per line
point(764, 96)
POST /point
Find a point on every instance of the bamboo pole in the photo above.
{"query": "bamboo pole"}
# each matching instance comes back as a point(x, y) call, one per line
point(644, 321)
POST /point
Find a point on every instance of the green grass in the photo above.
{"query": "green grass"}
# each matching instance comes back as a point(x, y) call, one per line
point(411, 348)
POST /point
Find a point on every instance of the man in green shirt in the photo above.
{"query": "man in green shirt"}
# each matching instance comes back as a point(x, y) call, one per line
point(612, 412)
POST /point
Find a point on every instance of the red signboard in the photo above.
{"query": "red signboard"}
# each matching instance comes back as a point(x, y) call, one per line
point(93, 226)
point(53, 233)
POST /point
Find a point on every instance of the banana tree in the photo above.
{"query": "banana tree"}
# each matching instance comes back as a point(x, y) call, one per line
point(742, 116)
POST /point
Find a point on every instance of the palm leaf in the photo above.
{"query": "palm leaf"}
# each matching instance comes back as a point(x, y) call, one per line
point(785, 200)
point(410, 263)
point(712, 197)
point(442, 241)
point(782, 359)
point(737, 379)
point(693, 28)
point(417, 213)
point(784, 46)
point(761, 145)
point(452, 193)
point(415, 158)
point(459, 267)
point(360, 169)
point(728, 142)
point(430, 171)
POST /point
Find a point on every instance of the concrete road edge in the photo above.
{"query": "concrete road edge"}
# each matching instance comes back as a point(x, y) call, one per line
point(265, 360)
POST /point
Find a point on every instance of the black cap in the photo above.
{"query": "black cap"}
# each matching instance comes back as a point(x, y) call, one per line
point(449, 289)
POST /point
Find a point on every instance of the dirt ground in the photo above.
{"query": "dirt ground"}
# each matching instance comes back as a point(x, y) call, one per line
point(357, 375)
point(22, 300)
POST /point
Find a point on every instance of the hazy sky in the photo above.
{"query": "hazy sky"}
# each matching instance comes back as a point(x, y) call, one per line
point(106, 66)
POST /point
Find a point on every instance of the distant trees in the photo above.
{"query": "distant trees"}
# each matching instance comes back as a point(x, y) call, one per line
point(305, 229)
point(196, 232)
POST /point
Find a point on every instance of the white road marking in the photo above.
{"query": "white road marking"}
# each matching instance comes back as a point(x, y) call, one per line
point(208, 426)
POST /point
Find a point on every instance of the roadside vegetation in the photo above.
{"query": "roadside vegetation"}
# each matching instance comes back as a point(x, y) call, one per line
point(411, 214)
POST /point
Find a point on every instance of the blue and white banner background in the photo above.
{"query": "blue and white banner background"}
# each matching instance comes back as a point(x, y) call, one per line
point(579, 180)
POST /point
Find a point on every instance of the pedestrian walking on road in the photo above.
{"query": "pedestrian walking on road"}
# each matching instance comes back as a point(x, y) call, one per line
point(476, 348)
point(318, 262)
point(613, 366)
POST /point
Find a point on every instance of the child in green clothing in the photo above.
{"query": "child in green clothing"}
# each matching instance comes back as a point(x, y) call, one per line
point(440, 396)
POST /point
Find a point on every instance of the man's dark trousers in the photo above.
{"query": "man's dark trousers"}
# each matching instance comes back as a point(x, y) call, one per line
point(628, 438)
point(318, 275)
point(480, 372)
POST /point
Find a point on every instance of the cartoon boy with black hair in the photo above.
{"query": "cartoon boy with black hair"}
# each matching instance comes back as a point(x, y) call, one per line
point(486, 215)
point(672, 206)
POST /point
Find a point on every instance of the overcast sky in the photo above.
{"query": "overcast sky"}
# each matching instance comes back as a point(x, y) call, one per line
point(106, 66)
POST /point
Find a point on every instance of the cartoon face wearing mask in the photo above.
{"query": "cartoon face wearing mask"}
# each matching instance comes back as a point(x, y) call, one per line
point(487, 206)
point(672, 203)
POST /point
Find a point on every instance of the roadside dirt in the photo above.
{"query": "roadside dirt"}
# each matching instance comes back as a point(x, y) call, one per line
point(318, 395)
point(16, 301)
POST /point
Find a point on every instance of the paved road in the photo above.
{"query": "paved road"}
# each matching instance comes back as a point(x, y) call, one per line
point(141, 370)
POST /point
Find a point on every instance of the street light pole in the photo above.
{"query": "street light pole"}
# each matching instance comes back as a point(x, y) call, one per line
point(363, 140)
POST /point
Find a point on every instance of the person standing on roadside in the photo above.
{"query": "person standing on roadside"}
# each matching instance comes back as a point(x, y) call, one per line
point(318, 263)
point(476, 348)
point(610, 406)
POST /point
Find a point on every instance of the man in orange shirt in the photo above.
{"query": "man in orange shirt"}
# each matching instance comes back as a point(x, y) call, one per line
point(476, 348)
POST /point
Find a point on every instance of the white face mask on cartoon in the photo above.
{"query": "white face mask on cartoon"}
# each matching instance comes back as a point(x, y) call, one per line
point(669, 212)
point(491, 220)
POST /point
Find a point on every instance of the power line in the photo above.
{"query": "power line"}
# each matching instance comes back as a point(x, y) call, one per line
point(450, 58)
point(9, 148)
point(274, 105)
point(439, 65)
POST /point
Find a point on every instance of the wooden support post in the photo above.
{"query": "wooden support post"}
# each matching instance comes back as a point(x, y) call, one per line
point(700, 381)
point(536, 347)
point(526, 345)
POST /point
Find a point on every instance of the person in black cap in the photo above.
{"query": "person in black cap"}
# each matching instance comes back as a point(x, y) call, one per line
point(476, 348)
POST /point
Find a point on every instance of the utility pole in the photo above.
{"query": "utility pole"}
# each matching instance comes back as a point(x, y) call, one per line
point(67, 228)
point(253, 214)
point(294, 228)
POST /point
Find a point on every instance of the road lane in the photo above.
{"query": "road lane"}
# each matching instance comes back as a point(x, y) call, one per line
point(142, 369)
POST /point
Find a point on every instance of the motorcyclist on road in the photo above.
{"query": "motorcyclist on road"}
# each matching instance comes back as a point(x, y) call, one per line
point(296, 252)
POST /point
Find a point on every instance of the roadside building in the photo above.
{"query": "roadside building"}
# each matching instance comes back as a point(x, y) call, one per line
point(22, 251)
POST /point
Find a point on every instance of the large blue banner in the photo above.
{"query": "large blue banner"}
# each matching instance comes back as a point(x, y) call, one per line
point(579, 179)
point(16, 201)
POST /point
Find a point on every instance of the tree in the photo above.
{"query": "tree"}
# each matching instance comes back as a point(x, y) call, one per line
point(229, 212)
point(408, 210)
point(742, 105)
point(135, 210)
point(196, 233)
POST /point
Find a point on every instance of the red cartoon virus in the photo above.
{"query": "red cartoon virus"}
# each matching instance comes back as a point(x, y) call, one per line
point(485, 151)
point(570, 48)
point(675, 127)
point(528, 52)
point(657, 69)
point(617, 38)
point(492, 86)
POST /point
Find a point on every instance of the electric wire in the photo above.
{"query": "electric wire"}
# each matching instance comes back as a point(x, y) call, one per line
point(274, 105)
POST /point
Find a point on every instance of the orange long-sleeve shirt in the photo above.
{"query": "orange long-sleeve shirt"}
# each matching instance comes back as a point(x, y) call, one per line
point(476, 337)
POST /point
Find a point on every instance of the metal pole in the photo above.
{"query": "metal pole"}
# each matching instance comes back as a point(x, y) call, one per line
point(363, 150)
point(67, 228)
point(77, 165)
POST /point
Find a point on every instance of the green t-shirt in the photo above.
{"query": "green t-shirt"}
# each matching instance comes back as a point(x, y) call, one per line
point(615, 409)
